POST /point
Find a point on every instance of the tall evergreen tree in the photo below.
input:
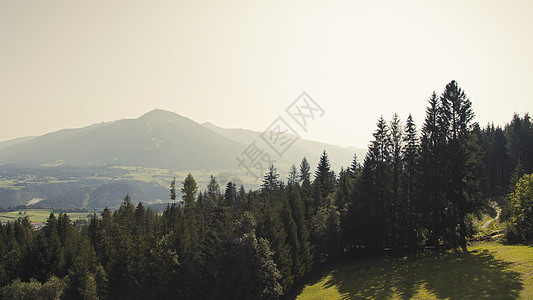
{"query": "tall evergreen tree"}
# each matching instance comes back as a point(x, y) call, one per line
point(173, 189)
point(298, 214)
point(496, 159)
point(397, 209)
point(293, 176)
point(432, 174)
point(305, 180)
point(305, 174)
point(410, 156)
point(189, 191)
point(451, 155)
point(323, 176)
point(355, 167)
point(271, 183)
point(519, 134)
point(464, 159)
point(230, 195)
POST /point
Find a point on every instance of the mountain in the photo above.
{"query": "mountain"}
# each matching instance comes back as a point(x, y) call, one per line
point(339, 156)
point(95, 166)
point(15, 141)
point(158, 139)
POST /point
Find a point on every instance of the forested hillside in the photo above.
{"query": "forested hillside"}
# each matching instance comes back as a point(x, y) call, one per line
point(419, 187)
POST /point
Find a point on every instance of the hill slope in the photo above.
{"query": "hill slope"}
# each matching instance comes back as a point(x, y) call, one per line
point(339, 156)
point(158, 139)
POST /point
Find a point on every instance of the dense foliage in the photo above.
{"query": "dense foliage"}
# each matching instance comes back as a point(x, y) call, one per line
point(521, 210)
point(411, 191)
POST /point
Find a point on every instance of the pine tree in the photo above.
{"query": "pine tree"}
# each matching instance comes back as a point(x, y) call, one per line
point(121, 270)
point(410, 157)
point(496, 159)
point(323, 177)
point(451, 155)
point(326, 231)
point(397, 209)
point(293, 242)
point(464, 159)
point(355, 167)
point(432, 173)
point(269, 274)
point(230, 195)
point(298, 214)
point(293, 176)
point(377, 176)
point(271, 183)
point(519, 134)
point(274, 231)
point(189, 191)
point(305, 175)
point(305, 179)
point(173, 189)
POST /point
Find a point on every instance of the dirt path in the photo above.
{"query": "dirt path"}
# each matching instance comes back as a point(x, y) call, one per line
point(487, 224)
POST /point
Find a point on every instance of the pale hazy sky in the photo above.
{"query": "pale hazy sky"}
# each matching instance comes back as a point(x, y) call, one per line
point(66, 64)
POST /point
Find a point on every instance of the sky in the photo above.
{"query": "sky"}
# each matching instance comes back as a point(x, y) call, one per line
point(240, 64)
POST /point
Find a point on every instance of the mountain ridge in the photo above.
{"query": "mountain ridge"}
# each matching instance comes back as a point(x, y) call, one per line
point(148, 141)
point(95, 166)
point(158, 138)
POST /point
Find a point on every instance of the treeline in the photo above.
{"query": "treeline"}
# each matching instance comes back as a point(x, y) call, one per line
point(508, 153)
point(416, 188)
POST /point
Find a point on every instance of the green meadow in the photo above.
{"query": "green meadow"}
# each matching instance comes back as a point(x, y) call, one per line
point(10, 184)
point(38, 215)
point(487, 271)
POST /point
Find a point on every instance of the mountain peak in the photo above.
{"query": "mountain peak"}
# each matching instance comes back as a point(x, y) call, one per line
point(159, 114)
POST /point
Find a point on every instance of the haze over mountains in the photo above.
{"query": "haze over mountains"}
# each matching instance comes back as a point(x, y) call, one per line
point(95, 166)
point(157, 139)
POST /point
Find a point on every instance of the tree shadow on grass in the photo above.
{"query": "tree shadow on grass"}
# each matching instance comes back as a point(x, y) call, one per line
point(473, 275)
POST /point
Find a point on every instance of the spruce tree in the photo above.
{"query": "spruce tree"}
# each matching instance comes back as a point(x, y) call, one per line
point(230, 195)
point(305, 179)
point(397, 208)
point(271, 183)
point(464, 159)
point(355, 167)
point(323, 176)
point(293, 176)
point(432, 173)
point(298, 214)
point(173, 189)
point(189, 191)
point(305, 175)
point(410, 156)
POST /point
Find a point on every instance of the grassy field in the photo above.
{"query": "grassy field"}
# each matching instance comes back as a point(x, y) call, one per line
point(489, 270)
point(10, 184)
point(38, 215)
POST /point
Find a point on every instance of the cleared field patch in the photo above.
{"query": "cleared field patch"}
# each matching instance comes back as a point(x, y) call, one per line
point(38, 215)
point(11, 184)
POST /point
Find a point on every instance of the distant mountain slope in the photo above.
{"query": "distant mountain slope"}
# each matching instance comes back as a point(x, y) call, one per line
point(97, 197)
point(5, 144)
point(158, 139)
point(74, 167)
point(339, 156)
